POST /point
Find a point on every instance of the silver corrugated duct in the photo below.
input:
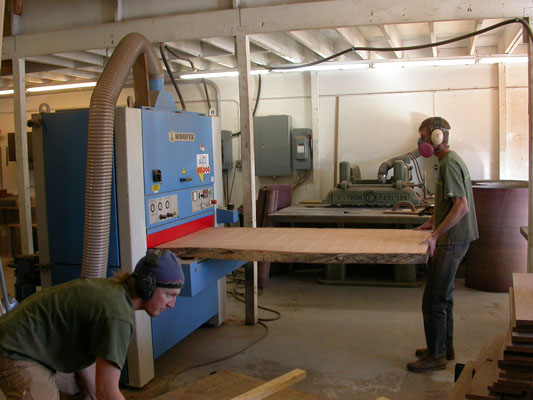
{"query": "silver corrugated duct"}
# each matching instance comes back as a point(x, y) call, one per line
point(100, 148)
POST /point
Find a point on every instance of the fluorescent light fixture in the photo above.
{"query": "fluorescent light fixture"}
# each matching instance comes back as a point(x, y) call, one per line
point(328, 67)
point(51, 88)
point(503, 59)
point(221, 74)
point(424, 63)
point(61, 87)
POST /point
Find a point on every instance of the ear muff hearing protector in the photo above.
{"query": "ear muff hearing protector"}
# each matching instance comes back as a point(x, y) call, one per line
point(145, 282)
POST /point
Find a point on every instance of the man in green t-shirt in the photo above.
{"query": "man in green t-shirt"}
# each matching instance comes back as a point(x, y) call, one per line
point(82, 326)
point(453, 227)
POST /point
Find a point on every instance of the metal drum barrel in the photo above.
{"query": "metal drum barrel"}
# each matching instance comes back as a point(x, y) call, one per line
point(501, 208)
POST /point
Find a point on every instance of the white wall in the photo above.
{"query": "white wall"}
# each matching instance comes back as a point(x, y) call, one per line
point(379, 114)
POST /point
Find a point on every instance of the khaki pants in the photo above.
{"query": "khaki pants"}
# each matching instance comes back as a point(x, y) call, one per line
point(29, 380)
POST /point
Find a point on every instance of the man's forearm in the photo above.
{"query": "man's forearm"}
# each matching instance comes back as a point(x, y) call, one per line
point(107, 378)
point(87, 377)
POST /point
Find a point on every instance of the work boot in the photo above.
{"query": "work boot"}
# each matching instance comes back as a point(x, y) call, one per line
point(421, 353)
point(427, 364)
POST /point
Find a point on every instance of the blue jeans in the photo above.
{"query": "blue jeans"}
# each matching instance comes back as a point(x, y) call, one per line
point(437, 303)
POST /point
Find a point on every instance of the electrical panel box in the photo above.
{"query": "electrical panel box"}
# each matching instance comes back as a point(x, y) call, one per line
point(227, 150)
point(301, 149)
point(272, 143)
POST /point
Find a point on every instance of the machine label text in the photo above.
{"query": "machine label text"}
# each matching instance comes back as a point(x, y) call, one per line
point(181, 136)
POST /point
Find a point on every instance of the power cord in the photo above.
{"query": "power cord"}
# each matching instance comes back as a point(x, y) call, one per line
point(408, 48)
point(236, 277)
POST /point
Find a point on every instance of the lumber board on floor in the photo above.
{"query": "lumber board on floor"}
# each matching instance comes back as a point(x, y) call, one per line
point(486, 370)
point(523, 299)
point(307, 245)
point(225, 385)
point(275, 385)
point(462, 384)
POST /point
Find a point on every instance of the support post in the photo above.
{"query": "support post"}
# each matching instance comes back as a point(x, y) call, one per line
point(502, 120)
point(315, 126)
point(21, 142)
point(530, 115)
point(242, 47)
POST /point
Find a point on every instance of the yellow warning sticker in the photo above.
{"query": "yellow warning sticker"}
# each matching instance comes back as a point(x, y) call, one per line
point(156, 188)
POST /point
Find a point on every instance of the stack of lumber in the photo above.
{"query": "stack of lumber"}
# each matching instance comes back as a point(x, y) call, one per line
point(504, 369)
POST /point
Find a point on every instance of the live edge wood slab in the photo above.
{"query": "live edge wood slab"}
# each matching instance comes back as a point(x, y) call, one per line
point(305, 245)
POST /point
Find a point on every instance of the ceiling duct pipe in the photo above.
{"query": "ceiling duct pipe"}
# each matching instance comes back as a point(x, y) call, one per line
point(100, 147)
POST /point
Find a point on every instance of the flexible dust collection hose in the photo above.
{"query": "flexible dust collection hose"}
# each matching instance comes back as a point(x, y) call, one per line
point(100, 148)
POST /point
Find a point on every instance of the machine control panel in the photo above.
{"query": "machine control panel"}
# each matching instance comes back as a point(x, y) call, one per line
point(163, 208)
point(202, 199)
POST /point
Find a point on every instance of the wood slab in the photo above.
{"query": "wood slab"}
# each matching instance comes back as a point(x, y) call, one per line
point(306, 245)
point(523, 299)
point(225, 385)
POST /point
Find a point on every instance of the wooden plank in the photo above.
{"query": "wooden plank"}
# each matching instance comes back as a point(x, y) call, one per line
point(226, 385)
point(522, 338)
point(523, 298)
point(479, 397)
point(486, 369)
point(274, 386)
point(462, 384)
point(506, 389)
point(309, 245)
point(516, 376)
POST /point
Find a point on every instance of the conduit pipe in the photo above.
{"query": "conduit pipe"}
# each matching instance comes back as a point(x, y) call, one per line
point(100, 148)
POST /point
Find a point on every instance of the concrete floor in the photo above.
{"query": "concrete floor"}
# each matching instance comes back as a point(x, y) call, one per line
point(353, 341)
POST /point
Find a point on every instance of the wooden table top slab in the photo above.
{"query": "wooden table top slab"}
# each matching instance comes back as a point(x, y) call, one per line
point(306, 245)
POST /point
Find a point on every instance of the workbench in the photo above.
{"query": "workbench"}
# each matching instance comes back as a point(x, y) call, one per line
point(353, 217)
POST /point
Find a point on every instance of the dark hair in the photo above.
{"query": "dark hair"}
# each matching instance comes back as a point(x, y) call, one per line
point(437, 123)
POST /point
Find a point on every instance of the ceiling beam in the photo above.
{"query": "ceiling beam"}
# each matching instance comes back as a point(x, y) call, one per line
point(52, 60)
point(255, 20)
point(84, 57)
point(285, 47)
point(77, 73)
point(314, 41)
point(511, 38)
point(190, 47)
point(393, 38)
point(228, 61)
point(52, 76)
point(92, 68)
point(354, 38)
point(258, 55)
point(433, 39)
point(474, 39)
